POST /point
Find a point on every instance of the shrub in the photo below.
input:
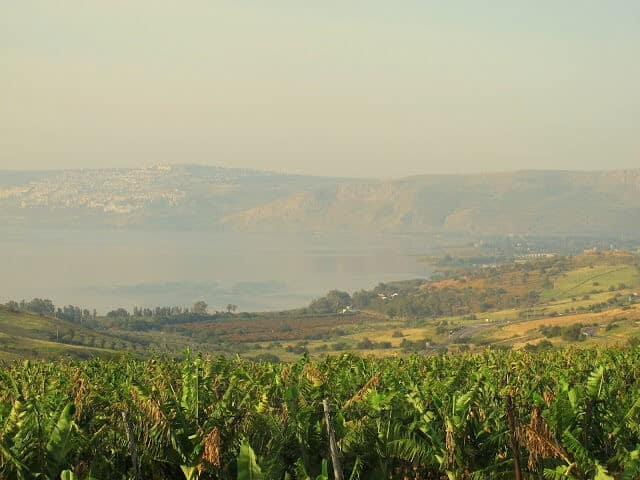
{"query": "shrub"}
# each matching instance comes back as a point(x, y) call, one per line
point(339, 346)
point(633, 341)
point(573, 332)
point(365, 344)
point(551, 331)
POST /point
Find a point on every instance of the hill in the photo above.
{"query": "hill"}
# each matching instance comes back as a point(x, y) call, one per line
point(32, 335)
point(527, 202)
point(536, 203)
point(171, 196)
point(587, 299)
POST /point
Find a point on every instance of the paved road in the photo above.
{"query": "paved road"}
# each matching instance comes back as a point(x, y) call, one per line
point(471, 330)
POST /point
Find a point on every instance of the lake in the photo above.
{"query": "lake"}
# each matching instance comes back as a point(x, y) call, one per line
point(111, 268)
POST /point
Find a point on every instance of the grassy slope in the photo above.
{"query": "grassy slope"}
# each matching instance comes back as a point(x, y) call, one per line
point(24, 334)
point(582, 281)
point(572, 290)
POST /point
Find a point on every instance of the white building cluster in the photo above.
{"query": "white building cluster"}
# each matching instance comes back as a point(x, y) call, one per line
point(111, 191)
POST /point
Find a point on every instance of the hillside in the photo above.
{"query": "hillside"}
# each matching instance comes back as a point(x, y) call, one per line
point(588, 299)
point(167, 196)
point(538, 203)
point(528, 202)
point(32, 335)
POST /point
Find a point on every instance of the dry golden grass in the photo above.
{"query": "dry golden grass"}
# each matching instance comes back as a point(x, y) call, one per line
point(601, 318)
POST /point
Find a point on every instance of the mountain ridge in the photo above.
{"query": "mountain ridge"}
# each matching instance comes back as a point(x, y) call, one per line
point(523, 202)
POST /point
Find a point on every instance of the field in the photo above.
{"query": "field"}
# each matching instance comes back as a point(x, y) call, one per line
point(584, 280)
point(570, 413)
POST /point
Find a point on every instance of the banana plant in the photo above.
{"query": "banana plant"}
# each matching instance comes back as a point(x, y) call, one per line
point(248, 468)
point(61, 441)
point(36, 439)
point(175, 417)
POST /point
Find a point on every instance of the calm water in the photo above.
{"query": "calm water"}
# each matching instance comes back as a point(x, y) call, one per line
point(111, 268)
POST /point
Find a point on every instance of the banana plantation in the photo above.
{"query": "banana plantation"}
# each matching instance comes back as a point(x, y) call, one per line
point(564, 414)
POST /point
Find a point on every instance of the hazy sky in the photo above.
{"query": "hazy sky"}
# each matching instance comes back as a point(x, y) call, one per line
point(338, 87)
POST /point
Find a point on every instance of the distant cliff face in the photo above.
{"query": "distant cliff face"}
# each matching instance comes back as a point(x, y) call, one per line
point(526, 202)
point(540, 203)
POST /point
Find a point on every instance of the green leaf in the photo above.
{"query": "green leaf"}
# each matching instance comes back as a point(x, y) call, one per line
point(325, 473)
point(602, 473)
point(357, 469)
point(577, 449)
point(573, 398)
point(594, 382)
point(248, 468)
point(68, 475)
point(6, 454)
point(190, 472)
point(560, 473)
point(59, 443)
point(632, 466)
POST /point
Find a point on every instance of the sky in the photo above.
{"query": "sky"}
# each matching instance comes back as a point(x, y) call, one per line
point(338, 87)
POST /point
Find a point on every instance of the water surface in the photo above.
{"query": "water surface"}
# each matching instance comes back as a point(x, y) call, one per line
point(110, 268)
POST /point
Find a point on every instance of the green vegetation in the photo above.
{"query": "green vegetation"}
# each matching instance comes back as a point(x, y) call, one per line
point(504, 305)
point(570, 414)
point(586, 280)
point(334, 302)
point(530, 403)
point(34, 335)
point(498, 287)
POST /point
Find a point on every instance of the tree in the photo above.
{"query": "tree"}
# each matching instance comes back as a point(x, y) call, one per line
point(41, 305)
point(231, 308)
point(200, 308)
point(333, 302)
point(118, 313)
point(12, 306)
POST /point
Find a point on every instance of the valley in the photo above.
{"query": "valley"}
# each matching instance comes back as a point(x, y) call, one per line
point(588, 299)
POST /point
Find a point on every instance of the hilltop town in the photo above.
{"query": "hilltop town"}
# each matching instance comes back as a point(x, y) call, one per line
point(112, 190)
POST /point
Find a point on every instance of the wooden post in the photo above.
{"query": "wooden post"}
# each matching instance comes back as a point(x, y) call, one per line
point(333, 447)
point(514, 441)
point(132, 446)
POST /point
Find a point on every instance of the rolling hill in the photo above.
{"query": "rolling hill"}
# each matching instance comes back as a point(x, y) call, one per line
point(32, 335)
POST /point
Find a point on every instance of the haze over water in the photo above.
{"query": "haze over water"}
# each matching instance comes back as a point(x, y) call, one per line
point(105, 268)
point(336, 89)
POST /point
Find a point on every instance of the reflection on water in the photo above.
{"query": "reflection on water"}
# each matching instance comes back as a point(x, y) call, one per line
point(111, 268)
